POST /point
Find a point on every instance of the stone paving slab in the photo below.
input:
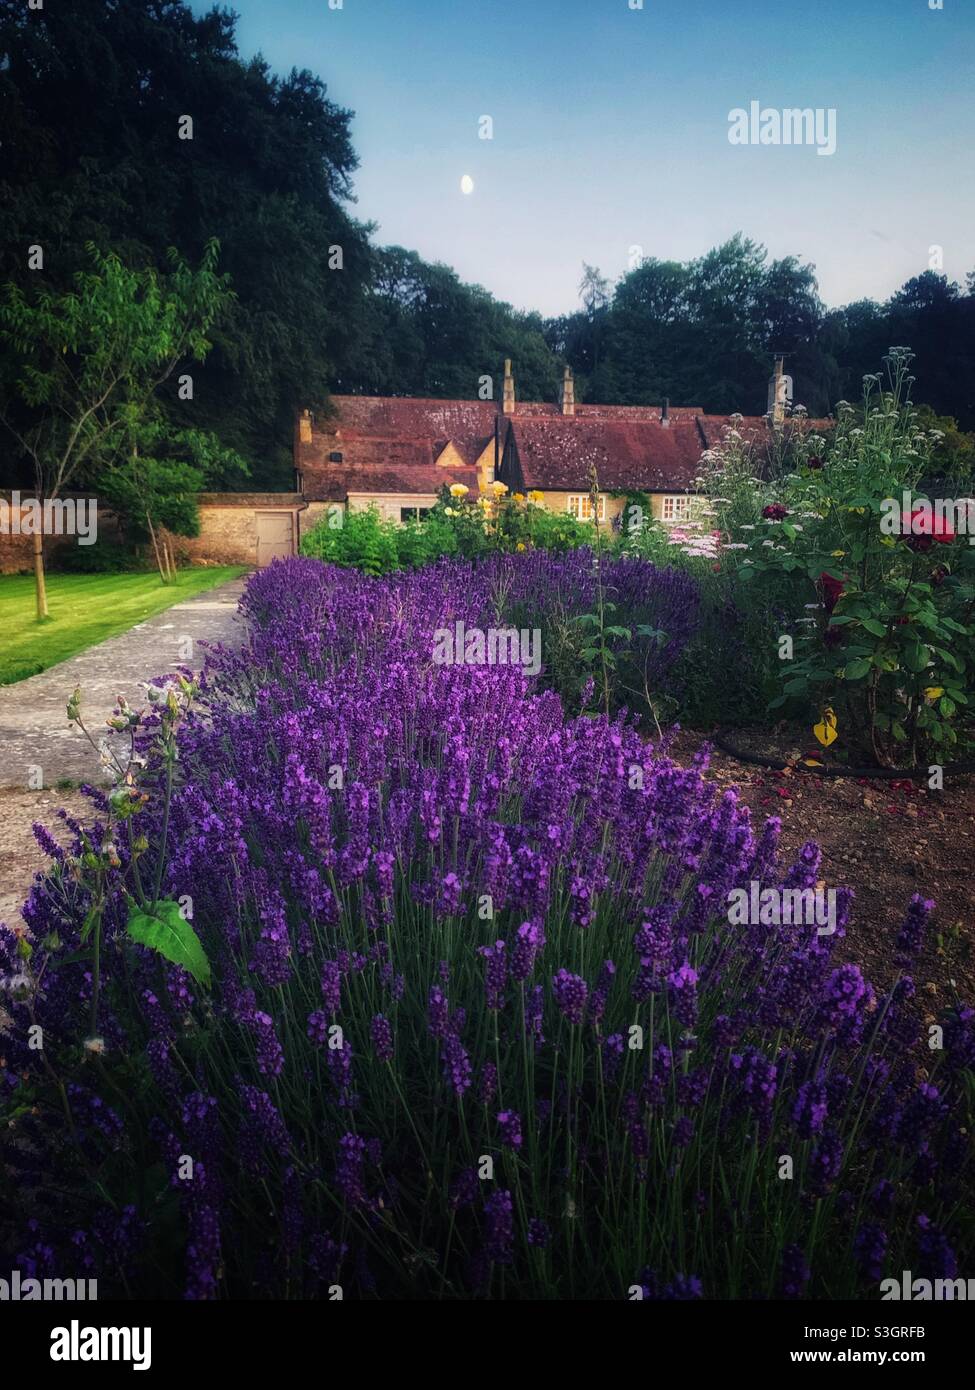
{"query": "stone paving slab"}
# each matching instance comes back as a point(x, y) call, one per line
point(36, 740)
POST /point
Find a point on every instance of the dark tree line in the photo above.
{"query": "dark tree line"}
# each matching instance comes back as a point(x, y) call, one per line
point(703, 332)
point(91, 97)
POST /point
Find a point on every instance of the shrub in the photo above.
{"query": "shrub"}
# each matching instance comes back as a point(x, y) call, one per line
point(729, 668)
point(102, 557)
point(885, 656)
point(478, 1022)
point(359, 540)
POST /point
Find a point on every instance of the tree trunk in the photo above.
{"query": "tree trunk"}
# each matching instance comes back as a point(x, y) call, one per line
point(39, 582)
point(155, 546)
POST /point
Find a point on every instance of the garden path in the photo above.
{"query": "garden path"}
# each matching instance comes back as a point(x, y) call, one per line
point(39, 748)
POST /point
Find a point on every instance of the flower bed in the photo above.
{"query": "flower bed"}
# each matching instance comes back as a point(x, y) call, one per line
point(477, 1023)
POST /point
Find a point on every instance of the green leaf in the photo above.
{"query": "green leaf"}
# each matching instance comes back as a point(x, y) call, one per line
point(72, 958)
point(89, 922)
point(857, 670)
point(899, 732)
point(947, 706)
point(874, 627)
point(165, 930)
point(916, 657)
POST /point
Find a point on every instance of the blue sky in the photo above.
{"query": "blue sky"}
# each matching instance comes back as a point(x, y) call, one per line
point(611, 131)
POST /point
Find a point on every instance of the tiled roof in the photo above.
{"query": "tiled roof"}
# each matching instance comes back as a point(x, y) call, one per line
point(392, 443)
point(753, 429)
point(336, 481)
point(410, 417)
point(558, 454)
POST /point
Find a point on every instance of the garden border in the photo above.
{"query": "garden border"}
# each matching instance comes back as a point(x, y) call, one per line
point(880, 774)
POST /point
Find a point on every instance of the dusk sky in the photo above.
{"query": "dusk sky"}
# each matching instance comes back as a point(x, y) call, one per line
point(611, 131)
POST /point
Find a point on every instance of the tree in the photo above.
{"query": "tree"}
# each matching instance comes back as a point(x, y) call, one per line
point(92, 360)
point(424, 332)
point(595, 296)
point(152, 488)
point(90, 99)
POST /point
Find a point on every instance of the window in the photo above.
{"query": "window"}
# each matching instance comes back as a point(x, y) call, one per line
point(580, 506)
point(677, 508)
point(413, 513)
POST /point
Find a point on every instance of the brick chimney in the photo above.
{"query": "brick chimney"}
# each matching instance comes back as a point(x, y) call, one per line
point(508, 390)
point(665, 413)
point(567, 395)
point(304, 427)
point(777, 393)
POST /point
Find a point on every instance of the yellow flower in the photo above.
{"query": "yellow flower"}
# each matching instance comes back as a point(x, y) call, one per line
point(536, 496)
point(520, 545)
point(449, 511)
point(826, 731)
point(934, 692)
point(837, 554)
point(499, 489)
point(519, 497)
point(458, 490)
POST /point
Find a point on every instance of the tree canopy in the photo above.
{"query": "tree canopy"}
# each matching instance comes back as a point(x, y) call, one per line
point(94, 101)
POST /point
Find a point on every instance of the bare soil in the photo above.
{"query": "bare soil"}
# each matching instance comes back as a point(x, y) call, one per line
point(886, 841)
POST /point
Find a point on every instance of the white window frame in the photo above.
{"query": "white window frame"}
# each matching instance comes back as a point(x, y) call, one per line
point(677, 507)
point(579, 505)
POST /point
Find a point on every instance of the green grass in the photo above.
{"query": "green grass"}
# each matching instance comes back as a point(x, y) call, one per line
point(85, 608)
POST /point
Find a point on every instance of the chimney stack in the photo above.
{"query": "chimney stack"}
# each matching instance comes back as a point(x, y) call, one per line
point(777, 393)
point(567, 396)
point(665, 413)
point(304, 427)
point(508, 392)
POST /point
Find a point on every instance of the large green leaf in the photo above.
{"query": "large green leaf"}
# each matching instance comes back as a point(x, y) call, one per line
point(856, 670)
point(165, 930)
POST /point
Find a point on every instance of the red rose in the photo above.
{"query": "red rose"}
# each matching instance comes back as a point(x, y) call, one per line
point(775, 512)
point(831, 590)
point(924, 529)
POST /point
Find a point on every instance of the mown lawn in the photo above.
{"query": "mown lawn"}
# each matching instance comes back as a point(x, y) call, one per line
point(85, 608)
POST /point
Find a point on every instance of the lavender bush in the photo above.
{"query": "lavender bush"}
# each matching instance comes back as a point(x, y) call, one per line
point(478, 1025)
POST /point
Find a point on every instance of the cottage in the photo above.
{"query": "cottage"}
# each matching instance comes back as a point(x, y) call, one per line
point(395, 453)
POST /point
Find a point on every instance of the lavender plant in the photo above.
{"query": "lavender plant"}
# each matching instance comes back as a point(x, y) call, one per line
point(479, 1026)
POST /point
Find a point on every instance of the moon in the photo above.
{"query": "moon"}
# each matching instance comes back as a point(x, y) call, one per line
point(467, 184)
